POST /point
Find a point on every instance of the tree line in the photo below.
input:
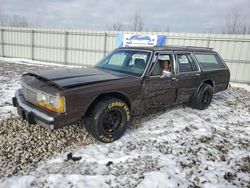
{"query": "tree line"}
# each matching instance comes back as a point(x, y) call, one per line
point(234, 24)
point(14, 21)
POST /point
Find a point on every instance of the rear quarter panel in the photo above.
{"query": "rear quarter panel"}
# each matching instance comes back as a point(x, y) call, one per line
point(220, 78)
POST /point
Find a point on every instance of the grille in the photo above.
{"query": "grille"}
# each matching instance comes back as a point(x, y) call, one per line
point(29, 93)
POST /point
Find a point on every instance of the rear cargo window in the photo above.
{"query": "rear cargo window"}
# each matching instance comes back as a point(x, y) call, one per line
point(209, 61)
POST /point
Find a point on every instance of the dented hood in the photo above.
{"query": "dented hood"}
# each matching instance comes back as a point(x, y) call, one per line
point(68, 78)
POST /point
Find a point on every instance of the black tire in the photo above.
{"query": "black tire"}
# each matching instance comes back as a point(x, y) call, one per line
point(108, 120)
point(203, 98)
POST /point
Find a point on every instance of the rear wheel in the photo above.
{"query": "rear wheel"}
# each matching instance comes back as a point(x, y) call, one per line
point(203, 98)
point(108, 120)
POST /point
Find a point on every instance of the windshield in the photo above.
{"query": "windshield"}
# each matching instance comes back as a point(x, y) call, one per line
point(126, 61)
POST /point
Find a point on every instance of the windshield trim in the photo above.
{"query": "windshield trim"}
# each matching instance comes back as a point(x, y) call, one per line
point(134, 49)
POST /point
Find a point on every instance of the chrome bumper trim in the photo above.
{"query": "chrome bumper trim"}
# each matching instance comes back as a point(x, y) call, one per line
point(39, 116)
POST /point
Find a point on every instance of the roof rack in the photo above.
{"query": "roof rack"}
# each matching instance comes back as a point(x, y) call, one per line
point(195, 47)
point(179, 47)
point(188, 47)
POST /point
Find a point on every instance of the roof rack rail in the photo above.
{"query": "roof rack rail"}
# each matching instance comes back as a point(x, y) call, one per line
point(189, 47)
point(179, 47)
point(196, 47)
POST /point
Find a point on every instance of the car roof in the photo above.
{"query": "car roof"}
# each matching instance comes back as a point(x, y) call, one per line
point(172, 48)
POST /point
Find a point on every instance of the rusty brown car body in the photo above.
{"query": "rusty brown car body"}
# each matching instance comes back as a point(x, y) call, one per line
point(61, 97)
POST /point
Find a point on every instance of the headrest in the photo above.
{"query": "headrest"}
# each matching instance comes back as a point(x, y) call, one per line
point(140, 63)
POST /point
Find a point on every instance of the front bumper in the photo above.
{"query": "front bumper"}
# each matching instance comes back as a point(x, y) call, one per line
point(31, 114)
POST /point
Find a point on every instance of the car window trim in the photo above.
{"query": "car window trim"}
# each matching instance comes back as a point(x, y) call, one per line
point(149, 60)
point(157, 53)
point(213, 53)
point(193, 58)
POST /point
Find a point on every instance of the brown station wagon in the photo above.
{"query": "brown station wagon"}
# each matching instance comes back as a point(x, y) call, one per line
point(126, 83)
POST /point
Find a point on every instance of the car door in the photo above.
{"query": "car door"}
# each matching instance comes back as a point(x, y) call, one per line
point(188, 74)
point(160, 91)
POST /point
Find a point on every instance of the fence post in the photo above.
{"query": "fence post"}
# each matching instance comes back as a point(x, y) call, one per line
point(105, 44)
point(2, 30)
point(66, 47)
point(208, 42)
point(32, 44)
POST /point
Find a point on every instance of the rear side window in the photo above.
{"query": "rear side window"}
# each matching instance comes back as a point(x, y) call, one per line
point(209, 61)
point(186, 63)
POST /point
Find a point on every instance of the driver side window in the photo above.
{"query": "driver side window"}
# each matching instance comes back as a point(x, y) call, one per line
point(164, 63)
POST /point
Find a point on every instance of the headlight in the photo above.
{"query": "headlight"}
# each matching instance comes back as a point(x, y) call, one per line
point(53, 103)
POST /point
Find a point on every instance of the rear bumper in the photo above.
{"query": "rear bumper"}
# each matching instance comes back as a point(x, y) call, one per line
point(29, 113)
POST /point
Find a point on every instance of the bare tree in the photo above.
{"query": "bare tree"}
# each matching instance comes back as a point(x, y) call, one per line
point(18, 21)
point(156, 28)
point(14, 21)
point(4, 20)
point(1, 6)
point(116, 27)
point(2, 17)
point(167, 29)
point(235, 24)
point(136, 23)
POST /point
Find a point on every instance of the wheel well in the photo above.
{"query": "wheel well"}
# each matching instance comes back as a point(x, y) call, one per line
point(210, 82)
point(117, 95)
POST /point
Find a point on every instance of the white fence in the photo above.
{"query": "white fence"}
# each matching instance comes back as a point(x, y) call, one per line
point(88, 47)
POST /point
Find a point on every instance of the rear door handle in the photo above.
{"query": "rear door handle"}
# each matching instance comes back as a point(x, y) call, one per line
point(198, 74)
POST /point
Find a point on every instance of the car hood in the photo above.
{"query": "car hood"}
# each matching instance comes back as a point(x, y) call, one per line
point(68, 78)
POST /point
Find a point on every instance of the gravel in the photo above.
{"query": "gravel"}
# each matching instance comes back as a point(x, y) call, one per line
point(23, 146)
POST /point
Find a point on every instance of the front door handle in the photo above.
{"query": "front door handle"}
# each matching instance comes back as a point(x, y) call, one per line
point(198, 74)
point(174, 79)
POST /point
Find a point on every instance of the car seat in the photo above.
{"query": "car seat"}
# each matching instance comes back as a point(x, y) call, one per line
point(140, 63)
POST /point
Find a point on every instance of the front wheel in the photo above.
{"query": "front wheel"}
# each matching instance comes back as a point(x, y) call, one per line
point(108, 120)
point(203, 98)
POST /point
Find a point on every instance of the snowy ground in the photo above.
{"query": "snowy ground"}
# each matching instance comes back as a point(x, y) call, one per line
point(180, 147)
point(11, 70)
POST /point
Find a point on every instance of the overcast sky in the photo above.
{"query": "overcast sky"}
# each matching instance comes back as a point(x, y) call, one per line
point(178, 15)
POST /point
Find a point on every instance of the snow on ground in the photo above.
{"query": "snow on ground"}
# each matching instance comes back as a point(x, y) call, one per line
point(29, 62)
point(244, 86)
point(181, 147)
point(11, 70)
point(7, 91)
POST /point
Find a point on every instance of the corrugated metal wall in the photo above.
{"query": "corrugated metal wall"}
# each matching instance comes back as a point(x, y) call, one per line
point(88, 47)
